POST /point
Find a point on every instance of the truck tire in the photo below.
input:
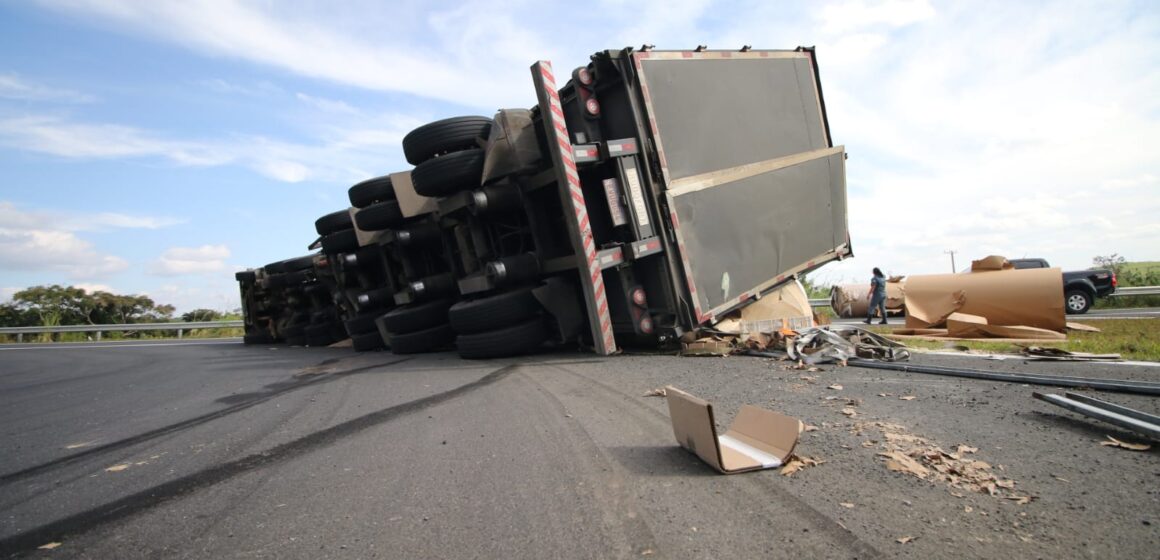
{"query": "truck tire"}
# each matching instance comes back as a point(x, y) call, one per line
point(1077, 302)
point(375, 299)
point(494, 312)
point(294, 331)
point(361, 323)
point(258, 338)
point(447, 135)
point(319, 335)
point(341, 241)
point(371, 191)
point(522, 338)
point(426, 340)
point(379, 216)
point(449, 174)
point(364, 342)
point(290, 265)
point(246, 276)
point(287, 279)
point(333, 222)
point(416, 316)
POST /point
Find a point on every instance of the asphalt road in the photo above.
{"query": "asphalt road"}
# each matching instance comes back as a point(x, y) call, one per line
point(217, 450)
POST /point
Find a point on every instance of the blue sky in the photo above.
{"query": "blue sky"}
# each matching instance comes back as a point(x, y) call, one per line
point(157, 146)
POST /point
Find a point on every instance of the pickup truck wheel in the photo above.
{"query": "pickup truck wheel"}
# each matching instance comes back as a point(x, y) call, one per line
point(515, 340)
point(333, 222)
point(426, 340)
point(494, 312)
point(341, 241)
point(447, 135)
point(416, 316)
point(449, 174)
point(371, 191)
point(379, 216)
point(364, 342)
point(1078, 301)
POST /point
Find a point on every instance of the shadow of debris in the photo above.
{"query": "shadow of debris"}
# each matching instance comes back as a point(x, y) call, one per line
point(131, 505)
point(668, 460)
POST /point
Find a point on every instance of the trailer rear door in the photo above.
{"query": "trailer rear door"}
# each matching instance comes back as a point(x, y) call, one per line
point(755, 189)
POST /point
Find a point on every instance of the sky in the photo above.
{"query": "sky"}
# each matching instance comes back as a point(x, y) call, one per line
point(155, 146)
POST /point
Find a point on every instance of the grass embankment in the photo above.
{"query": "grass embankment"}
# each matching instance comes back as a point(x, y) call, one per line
point(1133, 339)
point(108, 336)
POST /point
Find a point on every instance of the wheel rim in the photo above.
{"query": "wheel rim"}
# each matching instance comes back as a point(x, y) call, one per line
point(1076, 302)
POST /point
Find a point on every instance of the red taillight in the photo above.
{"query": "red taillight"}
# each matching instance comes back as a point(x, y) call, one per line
point(584, 76)
point(592, 106)
point(1114, 284)
point(646, 325)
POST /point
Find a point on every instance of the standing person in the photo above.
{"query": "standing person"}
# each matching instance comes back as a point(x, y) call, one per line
point(877, 295)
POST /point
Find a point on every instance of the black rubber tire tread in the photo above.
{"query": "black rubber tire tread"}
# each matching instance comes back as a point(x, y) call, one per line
point(416, 316)
point(1067, 301)
point(364, 342)
point(494, 312)
point(258, 338)
point(426, 340)
point(522, 338)
point(380, 216)
point(246, 276)
point(341, 241)
point(449, 174)
point(361, 323)
point(294, 331)
point(319, 335)
point(297, 263)
point(371, 191)
point(333, 222)
point(379, 298)
point(447, 135)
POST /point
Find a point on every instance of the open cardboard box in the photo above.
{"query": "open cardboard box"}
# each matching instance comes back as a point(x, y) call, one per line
point(757, 439)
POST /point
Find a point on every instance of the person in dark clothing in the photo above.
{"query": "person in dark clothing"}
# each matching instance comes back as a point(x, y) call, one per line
point(877, 296)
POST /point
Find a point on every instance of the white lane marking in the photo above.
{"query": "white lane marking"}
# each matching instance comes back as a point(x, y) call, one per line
point(91, 345)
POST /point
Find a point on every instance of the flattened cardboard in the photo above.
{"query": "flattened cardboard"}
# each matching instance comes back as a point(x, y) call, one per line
point(962, 325)
point(410, 202)
point(1029, 297)
point(757, 439)
point(707, 347)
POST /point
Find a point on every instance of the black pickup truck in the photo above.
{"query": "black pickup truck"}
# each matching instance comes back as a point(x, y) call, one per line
point(1080, 288)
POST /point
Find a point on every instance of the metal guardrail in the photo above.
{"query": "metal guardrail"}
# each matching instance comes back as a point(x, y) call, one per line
point(1137, 291)
point(820, 302)
point(179, 327)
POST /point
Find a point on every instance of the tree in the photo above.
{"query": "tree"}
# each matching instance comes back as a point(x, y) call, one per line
point(1114, 261)
point(201, 315)
point(66, 305)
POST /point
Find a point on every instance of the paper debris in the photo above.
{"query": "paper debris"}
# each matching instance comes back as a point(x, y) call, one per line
point(846, 505)
point(1113, 442)
point(1021, 500)
point(907, 398)
point(118, 468)
point(849, 412)
point(968, 509)
point(904, 540)
point(655, 393)
point(799, 462)
point(809, 428)
point(48, 546)
point(835, 387)
point(966, 449)
point(80, 445)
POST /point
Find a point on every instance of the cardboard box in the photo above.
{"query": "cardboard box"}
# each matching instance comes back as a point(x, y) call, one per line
point(757, 439)
point(1029, 297)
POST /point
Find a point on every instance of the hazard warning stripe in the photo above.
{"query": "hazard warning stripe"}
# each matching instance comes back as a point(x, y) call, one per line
point(582, 238)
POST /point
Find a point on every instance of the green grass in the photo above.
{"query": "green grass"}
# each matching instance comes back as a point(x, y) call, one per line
point(1141, 267)
point(1133, 339)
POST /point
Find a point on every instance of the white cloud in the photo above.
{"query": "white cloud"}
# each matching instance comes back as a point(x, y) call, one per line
point(177, 261)
point(6, 293)
point(13, 217)
point(91, 288)
point(58, 137)
point(59, 251)
point(327, 105)
point(13, 86)
point(854, 14)
point(215, 292)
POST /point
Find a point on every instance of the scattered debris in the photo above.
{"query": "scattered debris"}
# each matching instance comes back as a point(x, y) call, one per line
point(1113, 442)
point(757, 439)
point(809, 428)
point(1114, 385)
point(848, 411)
point(118, 468)
point(837, 344)
point(655, 393)
point(846, 505)
point(835, 387)
point(710, 346)
point(904, 540)
point(799, 462)
point(48, 546)
point(1047, 353)
point(1081, 327)
point(907, 398)
point(80, 445)
point(1140, 422)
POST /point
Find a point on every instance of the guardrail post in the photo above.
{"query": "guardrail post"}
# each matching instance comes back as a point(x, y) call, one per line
point(98, 336)
point(179, 331)
point(20, 337)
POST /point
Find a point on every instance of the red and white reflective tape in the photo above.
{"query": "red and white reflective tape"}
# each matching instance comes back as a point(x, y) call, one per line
point(560, 136)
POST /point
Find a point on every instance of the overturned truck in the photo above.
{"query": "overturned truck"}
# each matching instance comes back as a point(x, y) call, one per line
point(652, 194)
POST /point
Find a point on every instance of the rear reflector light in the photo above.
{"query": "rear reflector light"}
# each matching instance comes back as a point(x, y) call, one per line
point(584, 76)
point(646, 325)
point(638, 297)
point(592, 106)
